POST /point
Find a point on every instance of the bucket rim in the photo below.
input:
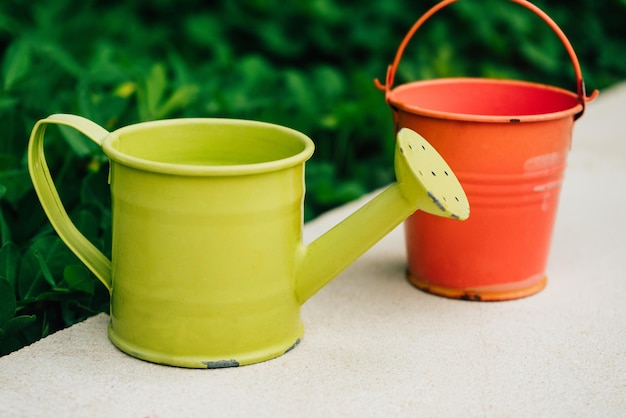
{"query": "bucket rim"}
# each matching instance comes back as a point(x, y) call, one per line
point(396, 104)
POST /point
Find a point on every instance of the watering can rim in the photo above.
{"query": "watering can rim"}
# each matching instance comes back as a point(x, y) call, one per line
point(108, 146)
point(395, 103)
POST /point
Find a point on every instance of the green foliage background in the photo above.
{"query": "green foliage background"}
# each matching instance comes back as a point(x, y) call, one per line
point(308, 65)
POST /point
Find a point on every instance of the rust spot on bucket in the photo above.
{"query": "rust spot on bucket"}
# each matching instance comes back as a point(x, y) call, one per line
point(470, 296)
point(514, 120)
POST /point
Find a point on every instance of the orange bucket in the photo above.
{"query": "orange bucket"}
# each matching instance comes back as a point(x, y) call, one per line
point(507, 141)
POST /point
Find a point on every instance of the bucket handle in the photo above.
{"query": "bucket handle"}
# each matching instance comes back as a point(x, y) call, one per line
point(580, 83)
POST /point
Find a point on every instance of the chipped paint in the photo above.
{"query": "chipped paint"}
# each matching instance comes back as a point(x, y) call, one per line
point(220, 364)
point(293, 346)
point(436, 201)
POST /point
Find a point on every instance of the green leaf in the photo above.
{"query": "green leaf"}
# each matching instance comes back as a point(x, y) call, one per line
point(87, 224)
point(96, 193)
point(24, 302)
point(79, 143)
point(17, 63)
point(77, 277)
point(53, 52)
point(9, 263)
point(277, 40)
point(299, 88)
point(8, 103)
point(43, 261)
point(17, 183)
point(8, 303)
point(329, 81)
point(24, 221)
point(56, 295)
point(45, 271)
point(541, 56)
point(15, 325)
point(8, 24)
point(152, 91)
point(181, 98)
point(204, 29)
point(5, 229)
point(45, 325)
point(7, 161)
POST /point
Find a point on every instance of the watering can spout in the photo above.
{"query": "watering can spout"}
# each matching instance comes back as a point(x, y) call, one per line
point(424, 182)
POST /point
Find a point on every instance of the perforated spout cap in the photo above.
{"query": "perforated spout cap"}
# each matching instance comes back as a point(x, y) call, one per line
point(424, 176)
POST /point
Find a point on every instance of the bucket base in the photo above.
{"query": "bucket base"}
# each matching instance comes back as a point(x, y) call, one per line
point(478, 294)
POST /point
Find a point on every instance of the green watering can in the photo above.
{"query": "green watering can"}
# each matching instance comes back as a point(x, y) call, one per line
point(208, 267)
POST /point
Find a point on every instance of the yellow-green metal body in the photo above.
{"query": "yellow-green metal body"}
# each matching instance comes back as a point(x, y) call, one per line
point(208, 268)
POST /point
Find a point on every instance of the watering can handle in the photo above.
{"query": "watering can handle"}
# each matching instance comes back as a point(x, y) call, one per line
point(580, 84)
point(97, 262)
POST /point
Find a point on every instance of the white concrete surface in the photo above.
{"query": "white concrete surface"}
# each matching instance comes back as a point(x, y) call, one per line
point(376, 346)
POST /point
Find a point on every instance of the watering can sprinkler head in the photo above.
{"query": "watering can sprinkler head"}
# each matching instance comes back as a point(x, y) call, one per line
point(424, 176)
